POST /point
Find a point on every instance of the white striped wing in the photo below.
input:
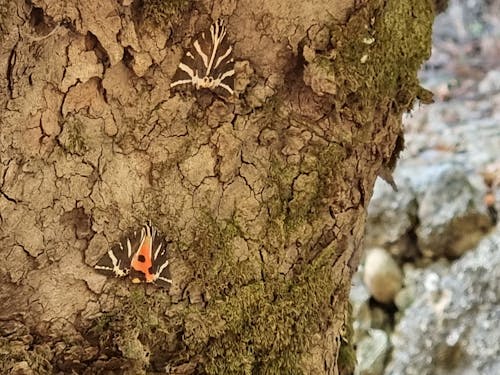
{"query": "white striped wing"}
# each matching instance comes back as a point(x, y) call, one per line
point(208, 63)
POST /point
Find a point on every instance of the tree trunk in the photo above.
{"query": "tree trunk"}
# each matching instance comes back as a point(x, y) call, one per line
point(263, 196)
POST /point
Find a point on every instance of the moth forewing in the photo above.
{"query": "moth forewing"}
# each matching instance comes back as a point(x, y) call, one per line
point(217, 32)
point(199, 51)
point(129, 248)
point(225, 82)
point(160, 262)
point(157, 251)
point(141, 264)
point(116, 261)
point(161, 270)
point(220, 59)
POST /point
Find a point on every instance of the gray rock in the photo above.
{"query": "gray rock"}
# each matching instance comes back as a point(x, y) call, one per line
point(366, 318)
point(451, 214)
point(438, 206)
point(490, 83)
point(371, 353)
point(391, 216)
point(452, 326)
point(419, 280)
point(359, 298)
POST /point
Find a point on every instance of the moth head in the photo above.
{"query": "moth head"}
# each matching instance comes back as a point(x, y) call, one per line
point(207, 82)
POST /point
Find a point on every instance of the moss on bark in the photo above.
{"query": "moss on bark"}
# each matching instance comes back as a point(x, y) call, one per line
point(376, 56)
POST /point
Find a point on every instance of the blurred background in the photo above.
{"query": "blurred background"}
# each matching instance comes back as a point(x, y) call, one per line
point(426, 299)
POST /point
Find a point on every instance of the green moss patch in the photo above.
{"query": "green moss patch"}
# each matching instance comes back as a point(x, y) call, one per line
point(71, 137)
point(161, 11)
point(211, 256)
point(347, 353)
point(139, 332)
point(377, 53)
point(245, 326)
point(20, 355)
point(265, 327)
point(300, 191)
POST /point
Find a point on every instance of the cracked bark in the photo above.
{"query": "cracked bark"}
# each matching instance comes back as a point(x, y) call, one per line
point(263, 197)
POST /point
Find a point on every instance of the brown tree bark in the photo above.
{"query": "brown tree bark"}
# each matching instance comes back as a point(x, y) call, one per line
point(263, 197)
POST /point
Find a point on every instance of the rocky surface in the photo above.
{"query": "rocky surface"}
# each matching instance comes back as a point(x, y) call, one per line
point(438, 204)
point(452, 326)
point(372, 352)
point(440, 227)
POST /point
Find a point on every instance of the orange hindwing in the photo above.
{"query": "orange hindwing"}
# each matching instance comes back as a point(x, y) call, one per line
point(141, 255)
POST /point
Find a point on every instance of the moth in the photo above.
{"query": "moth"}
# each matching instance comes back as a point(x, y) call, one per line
point(141, 255)
point(208, 63)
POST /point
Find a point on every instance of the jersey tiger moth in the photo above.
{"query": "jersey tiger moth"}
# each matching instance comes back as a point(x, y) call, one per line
point(142, 255)
point(208, 63)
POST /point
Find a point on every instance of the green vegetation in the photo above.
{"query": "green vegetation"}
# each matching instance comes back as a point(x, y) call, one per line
point(17, 354)
point(248, 330)
point(161, 11)
point(376, 55)
point(212, 259)
point(302, 190)
point(71, 138)
point(347, 353)
point(138, 330)
point(245, 325)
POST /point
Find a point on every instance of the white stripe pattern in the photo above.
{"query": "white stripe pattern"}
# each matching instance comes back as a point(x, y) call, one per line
point(208, 64)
